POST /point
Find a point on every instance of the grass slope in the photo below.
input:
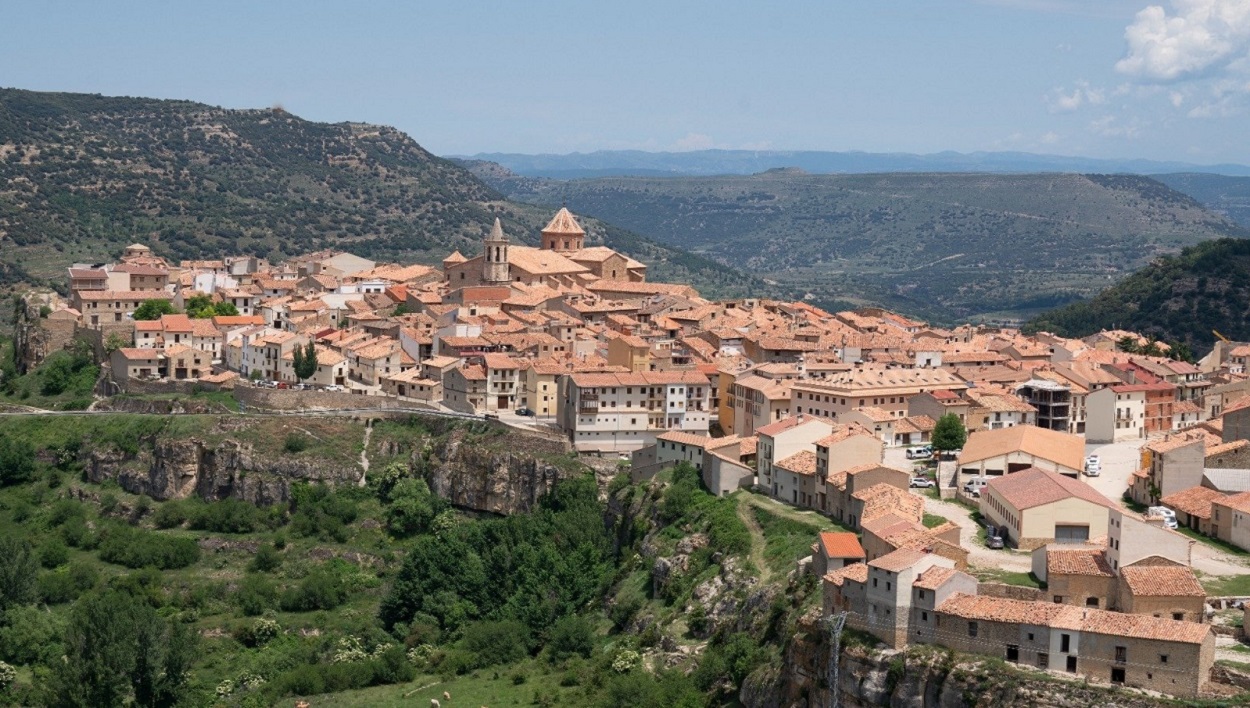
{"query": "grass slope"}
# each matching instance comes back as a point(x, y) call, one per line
point(83, 175)
point(941, 245)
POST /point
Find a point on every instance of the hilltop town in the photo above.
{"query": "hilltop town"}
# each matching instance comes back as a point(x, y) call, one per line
point(1077, 462)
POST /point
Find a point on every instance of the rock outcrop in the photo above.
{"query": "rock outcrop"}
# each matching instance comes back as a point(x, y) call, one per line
point(920, 677)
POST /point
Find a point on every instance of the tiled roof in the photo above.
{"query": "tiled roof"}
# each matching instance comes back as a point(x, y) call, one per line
point(803, 463)
point(1195, 501)
point(1063, 448)
point(676, 436)
point(844, 432)
point(840, 544)
point(1035, 487)
point(1078, 561)
point(857, 572)
point(563, 223)
point(1239, 501)
point(899, 560)
point(1161, 581)
point(933, 578)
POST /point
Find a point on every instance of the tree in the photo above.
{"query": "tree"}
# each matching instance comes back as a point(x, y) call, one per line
point(949, 433)
point(153, 309)
point(118, 650)
point(17, 461)
point(306, 361)
point(1128, 344)
point(114, 342)
point(18, 573)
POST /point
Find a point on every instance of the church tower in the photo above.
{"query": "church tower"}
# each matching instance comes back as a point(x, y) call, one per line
point(495, 257)
point(564, 234)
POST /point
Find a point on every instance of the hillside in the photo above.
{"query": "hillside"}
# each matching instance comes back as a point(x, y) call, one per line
point(943, 246)
point(1177, 298)
point(1229, 196)
point(82, 175)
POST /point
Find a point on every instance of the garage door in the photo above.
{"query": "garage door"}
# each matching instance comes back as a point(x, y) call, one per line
point(1071, 534)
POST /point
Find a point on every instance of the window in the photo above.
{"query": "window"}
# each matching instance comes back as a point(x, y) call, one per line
point(874, 582)
point(1121, 655)
point(1091, 602)
point(924, 616)
point(887, 585)
point(1163, 658)
point(1030, 636)
point(972, 629)
point(921, 595)
point(1043, 661)
point(1058, 599)
point(1178, 616)
point(1065, 643)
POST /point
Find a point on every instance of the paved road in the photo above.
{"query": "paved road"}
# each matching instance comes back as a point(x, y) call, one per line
point(1119, 462)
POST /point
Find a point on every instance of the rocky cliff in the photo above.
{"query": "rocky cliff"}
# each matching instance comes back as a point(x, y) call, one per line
point(474, 466)
point(920, 677)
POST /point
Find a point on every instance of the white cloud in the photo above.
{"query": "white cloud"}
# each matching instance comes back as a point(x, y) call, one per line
point(1109, 126)
point(1050, 138)
point(1062, 101)
point(1198, 37)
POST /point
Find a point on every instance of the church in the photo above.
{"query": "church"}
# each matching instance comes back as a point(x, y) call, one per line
point(563, 261)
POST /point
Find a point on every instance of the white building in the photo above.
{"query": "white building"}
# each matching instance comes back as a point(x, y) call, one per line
point(604, 412)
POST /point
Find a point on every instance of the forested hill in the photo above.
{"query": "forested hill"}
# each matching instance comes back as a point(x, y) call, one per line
point(82, 175)
point(1179, 298)
point(944, 246)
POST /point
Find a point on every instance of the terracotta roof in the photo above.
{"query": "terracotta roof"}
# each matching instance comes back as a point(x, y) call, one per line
point(563, 223)
point(676, 436)
point(803, 463)
point(933, 578)
point(874, 414)
point(840, 544)
point(1078, 561)
point(844, 432)
point(1063, 448)
point(1175, 441)
point(857, 572)
point(794, 421)
point(1195, 501)
point(140, 354)
point(1161, 581)
point(997, 609)
point(899, 560)
point(1239, 501)
point(1226, 447)
point(1035, 487)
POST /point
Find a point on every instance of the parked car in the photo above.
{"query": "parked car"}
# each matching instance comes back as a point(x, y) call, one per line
point(281, 384)
point(524, 411)
point(1092, 470)
point(919, 453)
point(335, 388)
point(1093, 460)
point(921, 482)
point(992, 539)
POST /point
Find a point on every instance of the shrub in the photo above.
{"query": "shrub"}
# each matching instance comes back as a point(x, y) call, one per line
point(267, 559)
point(225, 516)
point(255, 594)
point(571, 635)
point(17, 461)
point(18, 573)
point(322, 589)
point(53, 553)
point(295, 443)
point(494, 643)
point(137, 548)
point(169, 515)
point(257, 633)
point(29, 635)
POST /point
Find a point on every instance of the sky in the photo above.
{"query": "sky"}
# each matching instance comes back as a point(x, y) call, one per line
point(1091, 78)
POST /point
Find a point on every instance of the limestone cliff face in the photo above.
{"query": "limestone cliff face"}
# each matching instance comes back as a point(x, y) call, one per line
point(922, 677)
point(502, 479)
point(177, 469)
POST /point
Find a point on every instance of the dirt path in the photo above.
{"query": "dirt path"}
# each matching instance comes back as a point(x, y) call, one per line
point(978, 554)
point(364, 455)
point(757, 536)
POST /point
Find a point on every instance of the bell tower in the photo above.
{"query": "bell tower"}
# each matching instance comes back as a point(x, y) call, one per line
point(564, 233)
point(495, 256)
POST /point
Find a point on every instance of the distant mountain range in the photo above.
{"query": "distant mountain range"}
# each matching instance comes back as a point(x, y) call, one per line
point(82, 175)
point(608, 163)
point(942, 246)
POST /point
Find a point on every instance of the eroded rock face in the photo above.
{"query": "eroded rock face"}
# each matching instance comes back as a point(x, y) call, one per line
point(927, 677)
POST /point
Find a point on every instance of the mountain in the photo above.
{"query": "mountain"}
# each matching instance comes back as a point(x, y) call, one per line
point(1229, 196)
point(941, 246)
point(82, 175)
point(609, 163)
point(1176, 298)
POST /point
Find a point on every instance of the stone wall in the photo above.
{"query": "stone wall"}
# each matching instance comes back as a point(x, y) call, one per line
point(1010, 592)
point(276, 399)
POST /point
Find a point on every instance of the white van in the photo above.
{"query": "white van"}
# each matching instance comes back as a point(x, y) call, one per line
point(919, 453)
point(975, 485)
point(1168, 516)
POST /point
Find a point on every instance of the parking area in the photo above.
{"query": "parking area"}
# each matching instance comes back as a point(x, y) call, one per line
point(1119, 462)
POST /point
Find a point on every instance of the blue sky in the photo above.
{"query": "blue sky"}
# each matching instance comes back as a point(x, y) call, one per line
point(1098, 78)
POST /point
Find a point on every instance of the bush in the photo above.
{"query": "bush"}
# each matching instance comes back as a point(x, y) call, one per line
point(494, 643)
point(18, 573)
point(322, 589)
point(17, 461)
point(137, 548)
point(29, 635)
point(256, 594)
point(225, 516)
point(320, 512)
point(267, 559)
point(53, 553)
point(171, 514)
point(295, 443)
point(571, 635)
